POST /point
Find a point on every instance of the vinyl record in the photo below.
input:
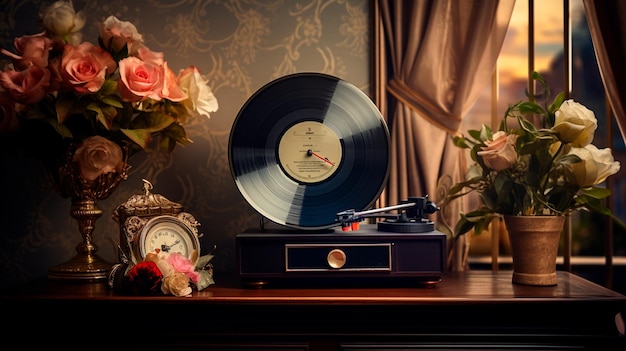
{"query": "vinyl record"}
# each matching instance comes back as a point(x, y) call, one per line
point(306, 146)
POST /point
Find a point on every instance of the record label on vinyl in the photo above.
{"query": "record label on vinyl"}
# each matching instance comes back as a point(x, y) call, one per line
point(306, 146)
point(309, 152)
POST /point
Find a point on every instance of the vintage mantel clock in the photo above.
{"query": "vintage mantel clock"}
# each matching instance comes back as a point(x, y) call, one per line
point(152, 223)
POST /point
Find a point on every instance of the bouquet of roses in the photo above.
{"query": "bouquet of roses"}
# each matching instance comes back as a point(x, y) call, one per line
point(107, 100)
point(166, 273)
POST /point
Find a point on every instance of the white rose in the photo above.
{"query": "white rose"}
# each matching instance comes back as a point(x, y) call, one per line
point(201, 99)
point(575, 124)
point(595, 165)
point(61, 20)
point(176, 284)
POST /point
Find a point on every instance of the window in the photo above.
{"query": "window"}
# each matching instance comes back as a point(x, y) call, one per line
point(556, 57)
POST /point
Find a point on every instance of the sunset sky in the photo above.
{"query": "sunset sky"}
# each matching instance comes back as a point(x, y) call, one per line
point(513, 61)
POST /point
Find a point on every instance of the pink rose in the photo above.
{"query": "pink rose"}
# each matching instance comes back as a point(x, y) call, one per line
point(499, 153)
point(28, 86)
point(84, 67)
point(116, 34)
point(96, 156)
point(152, 57)
point(139, 80)
point(183, 265)
point(31, 50)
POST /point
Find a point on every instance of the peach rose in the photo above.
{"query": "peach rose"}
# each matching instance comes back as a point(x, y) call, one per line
point(116, 34)
point(84, 67)
point(176, 284)
point(161, 261)
point(28, 86)
point(32, 50)
point(139, 80)
point(169, 88)
point(499, 153)
point(97, 156)
point(201, 100)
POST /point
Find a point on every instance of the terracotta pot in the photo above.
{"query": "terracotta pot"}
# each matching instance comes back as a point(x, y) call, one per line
point(534, 247)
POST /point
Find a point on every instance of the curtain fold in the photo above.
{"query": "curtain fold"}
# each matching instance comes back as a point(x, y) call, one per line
point(442, 54)
point(608, 33)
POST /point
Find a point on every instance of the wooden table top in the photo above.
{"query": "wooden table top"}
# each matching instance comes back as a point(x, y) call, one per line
point(455, 287)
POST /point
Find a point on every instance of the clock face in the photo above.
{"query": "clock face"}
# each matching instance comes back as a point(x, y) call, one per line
point(168, 234)
point(309, 152)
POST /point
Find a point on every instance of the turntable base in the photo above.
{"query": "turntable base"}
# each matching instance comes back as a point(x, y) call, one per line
point(364, 257)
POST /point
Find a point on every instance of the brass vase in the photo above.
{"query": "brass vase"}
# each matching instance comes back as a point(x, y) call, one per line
point(86, 265)
point(534, 247)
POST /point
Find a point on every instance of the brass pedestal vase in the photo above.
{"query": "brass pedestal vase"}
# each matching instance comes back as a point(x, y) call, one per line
point(534, 247)
point(86, 265)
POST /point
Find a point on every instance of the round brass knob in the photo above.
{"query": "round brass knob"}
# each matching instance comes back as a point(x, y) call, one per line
point(336, 258)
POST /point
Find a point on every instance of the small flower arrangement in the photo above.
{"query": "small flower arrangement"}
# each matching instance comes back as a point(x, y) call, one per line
point(544, 169)
point(166, 273)
point(110, 99)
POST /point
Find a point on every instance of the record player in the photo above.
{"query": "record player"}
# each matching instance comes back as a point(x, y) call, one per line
point(310, 153)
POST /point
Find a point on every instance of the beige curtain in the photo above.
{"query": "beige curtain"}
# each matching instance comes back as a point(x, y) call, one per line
point(442, 55)
point(608, 33)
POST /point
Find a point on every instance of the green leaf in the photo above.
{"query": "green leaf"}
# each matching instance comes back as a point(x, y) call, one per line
point(153, 121)
point(203, 261)
point(109, 87)
point(478, 220)
point(558, 101)
point(530, 107)
point(63, 107)
point(595, 192)
point(141, 137)
point(206, 279)
point(176, 132)
point(460, 142)
point(112, 100)
point(63, 130)
point(597, 205)
point(485, 133)
point(463, 226)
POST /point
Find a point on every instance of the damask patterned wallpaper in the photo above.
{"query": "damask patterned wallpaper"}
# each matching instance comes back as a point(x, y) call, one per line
point(239, 45)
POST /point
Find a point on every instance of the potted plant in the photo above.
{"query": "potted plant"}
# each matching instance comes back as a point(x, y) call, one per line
point(539, 166)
